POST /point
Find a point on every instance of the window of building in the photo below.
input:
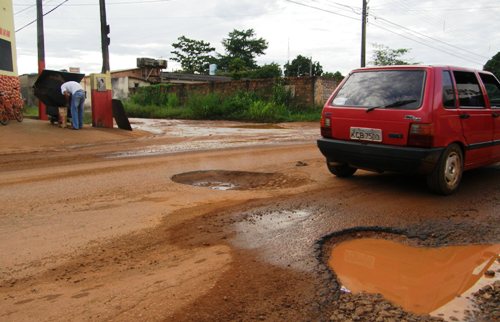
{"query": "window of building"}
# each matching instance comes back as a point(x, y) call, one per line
point(6, 63)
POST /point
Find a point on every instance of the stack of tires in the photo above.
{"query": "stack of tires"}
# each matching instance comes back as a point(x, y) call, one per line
point(11, 103)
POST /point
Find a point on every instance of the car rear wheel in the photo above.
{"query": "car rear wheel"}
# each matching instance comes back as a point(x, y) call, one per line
point(447, 175)
point(341, 171)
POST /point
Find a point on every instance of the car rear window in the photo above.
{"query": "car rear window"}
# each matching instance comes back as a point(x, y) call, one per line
point(402, 89)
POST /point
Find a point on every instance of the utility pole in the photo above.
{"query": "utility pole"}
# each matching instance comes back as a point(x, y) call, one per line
point(41, 53)
point(363, 35)
point(105, 41)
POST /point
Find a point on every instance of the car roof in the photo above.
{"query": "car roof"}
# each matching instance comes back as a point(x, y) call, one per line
point(419, 67)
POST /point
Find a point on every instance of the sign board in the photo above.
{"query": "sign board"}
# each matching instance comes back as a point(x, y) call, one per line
point(8, 63)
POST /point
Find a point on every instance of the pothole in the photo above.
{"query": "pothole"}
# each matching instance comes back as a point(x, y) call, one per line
point(238, 180)
point(437, 281)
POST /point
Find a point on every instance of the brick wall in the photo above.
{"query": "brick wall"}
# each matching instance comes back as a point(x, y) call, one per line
point(307, 91)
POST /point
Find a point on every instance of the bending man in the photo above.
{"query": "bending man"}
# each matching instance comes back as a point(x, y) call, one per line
point(74, 91)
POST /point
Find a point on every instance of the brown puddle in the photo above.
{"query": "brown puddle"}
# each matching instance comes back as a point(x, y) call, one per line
point(418, 279)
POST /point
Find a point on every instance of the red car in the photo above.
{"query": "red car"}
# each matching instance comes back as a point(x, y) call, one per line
point(433, 120)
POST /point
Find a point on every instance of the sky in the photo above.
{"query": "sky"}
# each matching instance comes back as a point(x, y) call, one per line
point(441, 32)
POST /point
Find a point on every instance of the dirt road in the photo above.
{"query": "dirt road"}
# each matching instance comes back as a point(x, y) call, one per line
point(201, 221)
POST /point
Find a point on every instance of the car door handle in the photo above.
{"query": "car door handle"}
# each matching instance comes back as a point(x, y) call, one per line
point(464, 116)
point(495, 115)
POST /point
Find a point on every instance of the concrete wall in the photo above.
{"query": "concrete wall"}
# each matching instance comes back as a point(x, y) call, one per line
point(27, 81)
point(123, 85)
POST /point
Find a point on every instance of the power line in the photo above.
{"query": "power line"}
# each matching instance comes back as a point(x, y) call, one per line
point(23, 10)
point(32, 22)
point(432, 38)
point(112, 3)
point(427, 45)
point(29, 7)
point(321, 9)
point(400, 34)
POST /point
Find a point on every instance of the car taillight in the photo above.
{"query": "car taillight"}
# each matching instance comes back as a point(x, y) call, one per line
point(421, 135)
point(326, 124)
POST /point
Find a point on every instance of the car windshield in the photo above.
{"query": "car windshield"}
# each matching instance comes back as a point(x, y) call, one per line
point(401, 89)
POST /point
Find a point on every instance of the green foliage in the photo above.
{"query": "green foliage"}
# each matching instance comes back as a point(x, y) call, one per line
point(337, 76)
point(152, 111)
point(194, 55)
point(272, 70)
point(244, 45)
point(385, 56)
point(302, 66)
point(154, 95)
point(493, 65)
point(239, 71)
point(206, 106)
point(282, 95)
point(242, 106)
point(261, 111)
point(30, 111)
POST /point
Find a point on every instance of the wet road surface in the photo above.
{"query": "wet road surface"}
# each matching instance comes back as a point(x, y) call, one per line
point(99, 226)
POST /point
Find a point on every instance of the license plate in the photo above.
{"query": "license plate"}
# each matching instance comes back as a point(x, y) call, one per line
point(365, 134)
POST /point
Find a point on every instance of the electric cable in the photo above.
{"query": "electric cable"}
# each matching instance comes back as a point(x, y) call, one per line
point(32, 22)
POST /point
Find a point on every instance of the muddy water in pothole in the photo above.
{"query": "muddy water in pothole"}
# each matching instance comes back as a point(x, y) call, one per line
point(238, 180)
point(416, 278)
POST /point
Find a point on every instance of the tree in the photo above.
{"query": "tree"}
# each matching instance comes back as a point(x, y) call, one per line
point(337, 76)
point(237, 70)
point(194, 55)
point(384, 56)
point(244, 45)
point(272, 70)
point(493, 65)
point(302, 66)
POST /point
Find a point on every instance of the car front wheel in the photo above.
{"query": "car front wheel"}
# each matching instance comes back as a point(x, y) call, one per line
point(447, 175)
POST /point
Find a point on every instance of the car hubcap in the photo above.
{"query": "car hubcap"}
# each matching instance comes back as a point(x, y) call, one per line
point(453, 169)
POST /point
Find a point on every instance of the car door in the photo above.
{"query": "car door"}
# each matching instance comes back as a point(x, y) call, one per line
point(492, 87)
point(476, 119)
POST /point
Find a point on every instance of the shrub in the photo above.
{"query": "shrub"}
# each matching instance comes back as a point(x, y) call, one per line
point(205, 106)
point(261, 111)
point(152, 95)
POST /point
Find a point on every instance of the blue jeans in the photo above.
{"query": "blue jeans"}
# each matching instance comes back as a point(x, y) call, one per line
point(77, 101)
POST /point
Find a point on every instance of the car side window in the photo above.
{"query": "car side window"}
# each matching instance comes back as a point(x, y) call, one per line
point(448, 91)
point(492, 89)
point(469, 91)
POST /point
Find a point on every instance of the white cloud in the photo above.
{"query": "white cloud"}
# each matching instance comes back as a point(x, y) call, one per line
point(147, 29)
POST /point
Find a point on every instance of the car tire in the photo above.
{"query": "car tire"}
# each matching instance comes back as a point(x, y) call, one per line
point(446, 176)
point(341, 171)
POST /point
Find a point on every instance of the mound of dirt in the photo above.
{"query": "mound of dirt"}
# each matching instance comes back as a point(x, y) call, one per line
point(238, 180)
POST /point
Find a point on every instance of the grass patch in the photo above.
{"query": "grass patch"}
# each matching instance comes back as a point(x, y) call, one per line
point(30, 111)
point(240, 106)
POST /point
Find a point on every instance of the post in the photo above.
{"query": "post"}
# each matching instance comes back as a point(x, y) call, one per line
point(101, 94)
point(105, 41)
point(42, 115)
point(363, 35)
point(311, 67)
